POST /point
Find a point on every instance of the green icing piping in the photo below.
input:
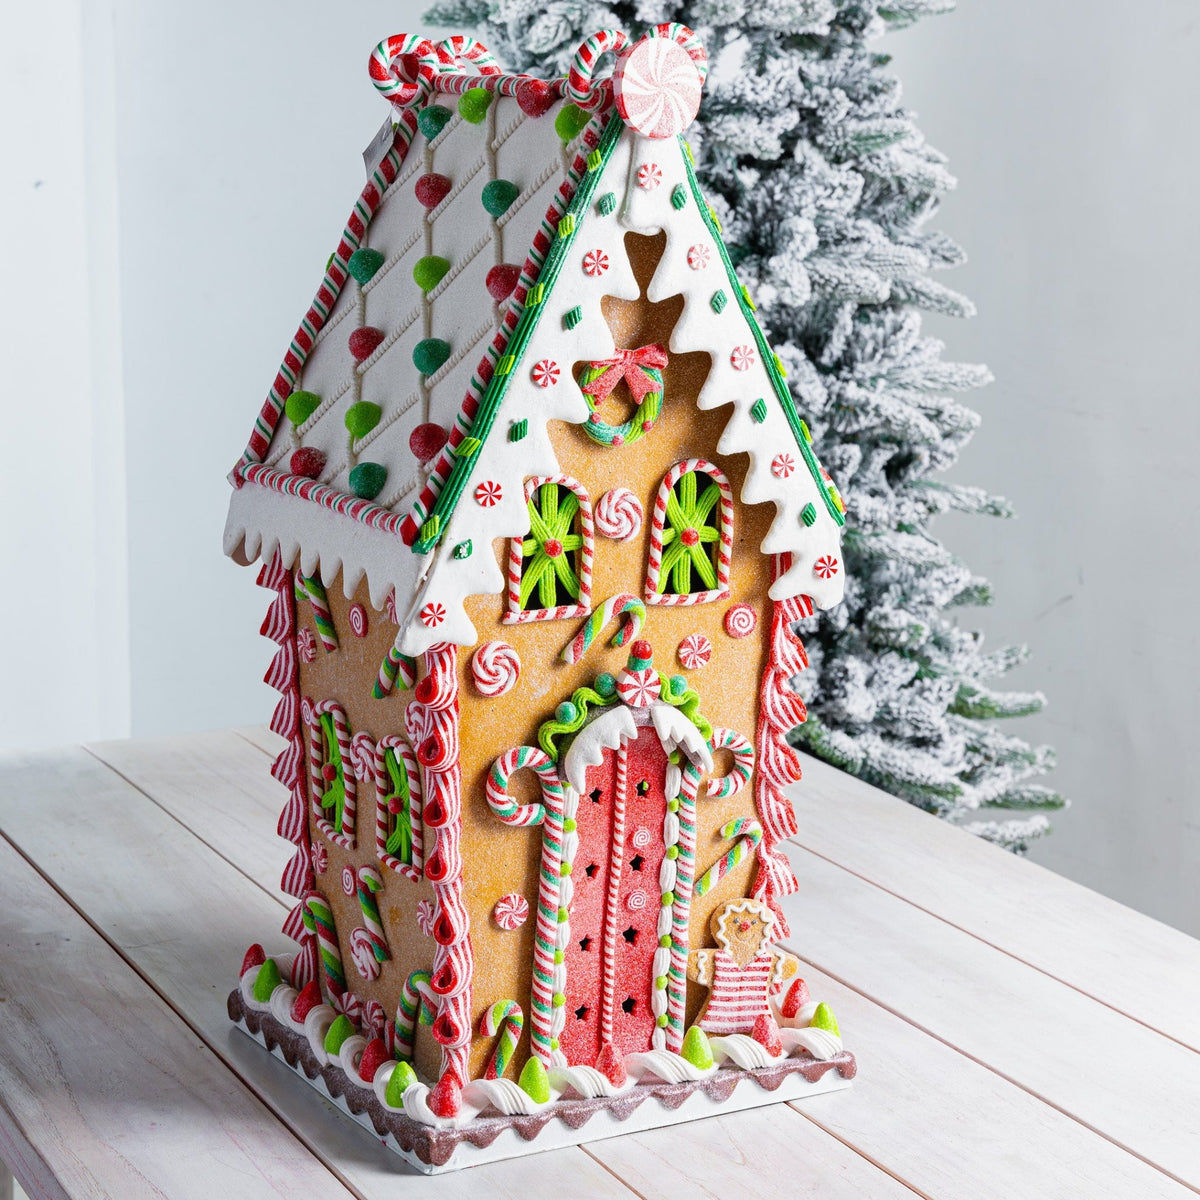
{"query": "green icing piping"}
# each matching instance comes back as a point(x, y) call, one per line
point(581, 698)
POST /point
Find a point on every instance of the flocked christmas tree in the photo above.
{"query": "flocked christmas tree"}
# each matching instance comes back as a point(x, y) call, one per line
point(825, 186)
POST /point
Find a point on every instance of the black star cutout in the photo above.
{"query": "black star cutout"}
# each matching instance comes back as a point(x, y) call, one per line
point(628, 1004)
point(630, 935)
point(585, 945)
point(590, 870)
point(635, 863)
point(643, 787)
point(581, 1012)
point(595, 794)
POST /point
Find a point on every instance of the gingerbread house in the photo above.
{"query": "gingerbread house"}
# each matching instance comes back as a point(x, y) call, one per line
point(539, 513)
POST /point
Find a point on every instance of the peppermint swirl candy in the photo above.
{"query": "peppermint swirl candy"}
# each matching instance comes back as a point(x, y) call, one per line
point(362, 951)
point(740, 621)
point(511, 911)
point(349, 885)
point(694, 651)
point(657, 88)
point(641, 838)
point(495, 667)
point(619, 515)
point(636, 900)
point(374, 1019)
point(358, 620)
point(426, 915)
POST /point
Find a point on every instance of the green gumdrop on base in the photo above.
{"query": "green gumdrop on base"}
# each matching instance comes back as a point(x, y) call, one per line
point(367, 480)
point(300, 406)
point(267, 980)
point(570, 122)
point(473, 104)
point(339, 1031)
point(399, 1081)
point(696, 1048)
point(432, 120)
point(498, 196)
point(429, 354)
point(534, 1081)
point(364, 263)
point(429, 271)
point(362, 417)
point(823, 1018)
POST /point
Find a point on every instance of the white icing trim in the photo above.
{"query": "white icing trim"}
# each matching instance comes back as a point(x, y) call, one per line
point(820, 1043)
point(350, 1054)
point(282, 999)
point(611, 730)
point(587, 1081)
point(667, 1066)
point(676, 732)
point(503, 1095)
point(744, 1050)
point(316, 1026)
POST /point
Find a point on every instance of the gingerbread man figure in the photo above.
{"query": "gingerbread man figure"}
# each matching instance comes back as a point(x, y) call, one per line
point(744, 969)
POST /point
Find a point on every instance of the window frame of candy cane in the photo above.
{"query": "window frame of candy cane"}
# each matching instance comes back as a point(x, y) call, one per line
point(394, 627)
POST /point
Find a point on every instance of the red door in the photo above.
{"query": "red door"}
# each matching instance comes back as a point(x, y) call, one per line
point(614, 913)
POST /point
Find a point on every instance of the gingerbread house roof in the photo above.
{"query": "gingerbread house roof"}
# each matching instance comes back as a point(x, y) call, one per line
point(467, 281)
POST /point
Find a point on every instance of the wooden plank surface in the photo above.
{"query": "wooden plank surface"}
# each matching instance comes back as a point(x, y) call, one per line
point(105, 1091)
point(1137, 965)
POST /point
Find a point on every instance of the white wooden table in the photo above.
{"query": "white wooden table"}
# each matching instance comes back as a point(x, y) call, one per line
point(1017, 1035)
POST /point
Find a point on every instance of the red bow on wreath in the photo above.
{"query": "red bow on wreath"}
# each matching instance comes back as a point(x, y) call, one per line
point(629, 365)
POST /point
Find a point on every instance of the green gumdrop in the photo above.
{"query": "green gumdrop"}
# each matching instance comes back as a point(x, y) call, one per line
point(339, 1031)
point(432, 120)
point(696, 1048)
point(605, 684)
point(300, 406)
point(362, 417)
point(498, 196)
point(364, 263)
point(678, 685)
point(534, 1081)
point(473, 104)
point(823, 1018)
point(429, 354)
point(267, 980)
point(570, 122)
point(367, 480)
point(565, 713)
point(399, 1081)
point(429, 271)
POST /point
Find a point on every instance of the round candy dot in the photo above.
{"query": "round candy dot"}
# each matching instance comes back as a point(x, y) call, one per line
point(364, 342)
point(661, 1021)
point(678, 685)
point(501, 280)
point(665, 940)
point(565, 713)
point(558, 1000)
point(364, 263)
point(429, 271)
point(672, 805)
point(606, 684)
point(559, 956)
point(570, 122)
point(563, 916)
point(672, 851)
point(367, 480)
point(569, 825)
point(668, 898)
point(432, 120)
point(308, 462)
point(432, 189)
point(660, 982)
point(498, 196)
point(535, 97)
point(565, 869)
point(300, 406)
point(426, 440)
point(429, 354)
point(473, 104)
point(362, 417)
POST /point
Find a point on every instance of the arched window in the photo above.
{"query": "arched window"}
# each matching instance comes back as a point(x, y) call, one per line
point(691, 536)
point(398, 834)
point(550, 568)
point(331, 776)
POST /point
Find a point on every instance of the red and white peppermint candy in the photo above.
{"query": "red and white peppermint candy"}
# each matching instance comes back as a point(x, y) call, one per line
point(742, 358)
point(698, 256)
point(640, 838)
point(495, 668)
point(488, 493)
point(657, 88)
point(649, 176)
point(348, 1003)
point(825, 567)
point(511, 911)
point(320, 857)
point(545, 373)
point(740, 621)
point(639, 689)
point(389, 606)
point(374, 1019)
point(306, 710)
point(636, 900)
point(595, 262)
point(432, 615)
point(348, 884)
point(358, 620)
point(619, 515)
point(694, 651)
point(426, 915)
point(362, 951)
point(362, 756)
point(306, 645)
point(782, 465)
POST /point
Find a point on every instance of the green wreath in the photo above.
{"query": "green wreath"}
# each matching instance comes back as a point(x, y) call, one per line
point(637, 426)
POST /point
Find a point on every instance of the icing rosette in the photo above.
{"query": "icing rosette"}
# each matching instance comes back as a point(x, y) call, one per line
point(495, 668)
point(619, 515)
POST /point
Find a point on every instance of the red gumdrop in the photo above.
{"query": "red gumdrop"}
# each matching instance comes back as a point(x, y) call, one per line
point(766, 1034)
point(309, 998)
point(307, 461)
point(535, 97)
point(797, 997)
point(374, 1056)
point(363, 342)
point(432, 189)
point(641, 649)
point(255, 957)
point(426, 440)
point(445, 1099)
point(610, 1064)
point(501, 281)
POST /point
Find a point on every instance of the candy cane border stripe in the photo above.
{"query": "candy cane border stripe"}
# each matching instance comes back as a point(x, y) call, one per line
point(344, 837)
point(612, 892)
point(383, 818)
point(579, 76)
point(658, 521)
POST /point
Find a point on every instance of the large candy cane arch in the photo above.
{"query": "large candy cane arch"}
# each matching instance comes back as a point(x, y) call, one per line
point(579, 77)
point(554, 888)
point(386, 67)
point(400, 747)
point(345, 836)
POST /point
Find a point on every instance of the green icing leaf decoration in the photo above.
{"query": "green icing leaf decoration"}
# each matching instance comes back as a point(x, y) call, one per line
point(575, 712)
point(362, 417)
point(548, 550)
point(334, 797)
point(399, 802)
point(367, 480)
point(300, 406)
point(688, 514)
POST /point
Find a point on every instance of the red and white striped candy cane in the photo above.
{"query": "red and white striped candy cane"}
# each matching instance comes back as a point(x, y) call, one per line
point(316, 768)
point(624, 604)
point(385, 67)
point(464, 51)
point(743, 764)
point(658, 522)
point(689, 40)
point(383, 817)
point(579, 77)
point(548, 976)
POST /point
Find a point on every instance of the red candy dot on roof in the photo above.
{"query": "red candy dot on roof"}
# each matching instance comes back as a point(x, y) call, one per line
point(535, 97)
point(501, 281)
point(307, 461)
point(649, 176)
point(365, 341)
point(432, 189)
point(698, 257)
point(782, 465)
point(488, 493)
point(426, 440)
point(545, 373)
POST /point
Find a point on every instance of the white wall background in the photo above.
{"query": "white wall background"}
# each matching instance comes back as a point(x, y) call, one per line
point(192, 182)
